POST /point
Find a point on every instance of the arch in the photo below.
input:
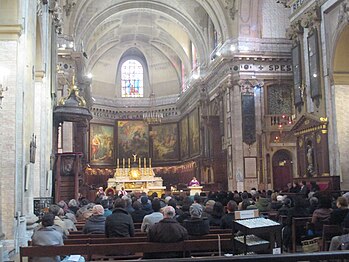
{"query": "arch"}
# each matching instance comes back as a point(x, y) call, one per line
point(282, 169)
point(340, 58)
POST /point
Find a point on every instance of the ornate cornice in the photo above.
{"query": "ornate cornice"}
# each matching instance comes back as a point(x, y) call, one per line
point(294, 31)
point(311, 18)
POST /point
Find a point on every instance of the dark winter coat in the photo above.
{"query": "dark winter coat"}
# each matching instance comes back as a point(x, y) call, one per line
point(95, 225)
point(197, 226)
point(119, 224)
point(167, 230)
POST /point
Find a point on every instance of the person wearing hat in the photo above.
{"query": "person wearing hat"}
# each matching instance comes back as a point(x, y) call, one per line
point(95, 224)
point(196, 225)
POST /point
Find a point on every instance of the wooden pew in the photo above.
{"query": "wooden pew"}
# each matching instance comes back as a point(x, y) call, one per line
point(92, 250)
point(298, 222)
point(105, 240)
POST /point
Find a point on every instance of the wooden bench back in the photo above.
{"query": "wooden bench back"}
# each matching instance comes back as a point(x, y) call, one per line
point(89, 250)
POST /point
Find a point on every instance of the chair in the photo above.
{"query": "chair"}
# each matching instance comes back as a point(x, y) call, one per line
point(329, 231)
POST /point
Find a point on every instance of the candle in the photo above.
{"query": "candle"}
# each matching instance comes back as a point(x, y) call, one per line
point(129, 162)
point(149, 162)
point(145, 163)
point(117, 163)
point(123, 163)
point(140, 164)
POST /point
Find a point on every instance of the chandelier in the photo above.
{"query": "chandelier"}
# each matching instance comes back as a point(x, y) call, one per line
point(152, 116)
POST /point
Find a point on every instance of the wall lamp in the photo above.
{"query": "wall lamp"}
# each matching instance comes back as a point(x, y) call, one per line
point(3, 86)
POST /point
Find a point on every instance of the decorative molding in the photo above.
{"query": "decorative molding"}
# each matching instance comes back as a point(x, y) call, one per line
point(294, 31)
point(343, 15)
point(231, 7)
point(10, 32)
point(311, 18)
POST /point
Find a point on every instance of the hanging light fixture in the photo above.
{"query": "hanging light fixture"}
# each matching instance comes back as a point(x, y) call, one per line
point(152, 116)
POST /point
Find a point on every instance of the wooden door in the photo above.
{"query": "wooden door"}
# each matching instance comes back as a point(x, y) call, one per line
point(282, 169)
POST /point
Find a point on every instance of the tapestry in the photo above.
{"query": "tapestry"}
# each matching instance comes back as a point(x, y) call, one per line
point(165, 142)
point(133, 139)
point(101, 144)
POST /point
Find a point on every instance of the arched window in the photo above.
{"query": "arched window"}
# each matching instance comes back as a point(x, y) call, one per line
point(132, 79)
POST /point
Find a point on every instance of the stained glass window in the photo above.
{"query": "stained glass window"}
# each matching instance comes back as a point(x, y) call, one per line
point(132, 79)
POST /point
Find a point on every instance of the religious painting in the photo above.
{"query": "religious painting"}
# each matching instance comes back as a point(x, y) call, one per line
point(165, 142)
point(101, 144)
point(133, 139)
point(184, 138)
point(194, 133)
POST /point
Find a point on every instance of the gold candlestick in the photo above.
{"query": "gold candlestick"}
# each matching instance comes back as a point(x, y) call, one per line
point(123, 163)
point(140, 164)
point(149, 162)
point(117, 163)
point(145, 162)
point(129, 163)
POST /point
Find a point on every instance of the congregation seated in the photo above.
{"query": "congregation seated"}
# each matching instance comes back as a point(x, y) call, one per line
point(154, 217)
point(56, 211)
point(216, 215)
point(138, 214)
point(119, 223)
point(167, 230)
point(227, 219)
point(196, 225)
point(321, 215)
point(185, 214)
point(47, 234)
point(105, 204)
point(95, 224)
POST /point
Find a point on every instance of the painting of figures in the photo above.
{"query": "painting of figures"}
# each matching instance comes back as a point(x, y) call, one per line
point(101, 144)
point(194, 133)
point(184, 138)
point(133, 139)
point(165, 142)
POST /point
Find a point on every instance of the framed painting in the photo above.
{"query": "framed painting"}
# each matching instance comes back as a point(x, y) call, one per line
point(250, 167)
point(194, 133)
point(102, 144)
point(184, 138)
point(133, 138)
point(165, 142)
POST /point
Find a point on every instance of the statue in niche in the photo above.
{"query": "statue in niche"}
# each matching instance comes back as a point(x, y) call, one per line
point(310, 160)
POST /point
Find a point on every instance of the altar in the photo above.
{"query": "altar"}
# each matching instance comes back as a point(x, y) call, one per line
point(136, 177)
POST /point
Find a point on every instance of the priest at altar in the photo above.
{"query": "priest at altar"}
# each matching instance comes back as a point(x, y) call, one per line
point(194, 187)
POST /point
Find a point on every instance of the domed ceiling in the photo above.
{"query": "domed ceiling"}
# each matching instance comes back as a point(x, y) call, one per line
point(159, 33)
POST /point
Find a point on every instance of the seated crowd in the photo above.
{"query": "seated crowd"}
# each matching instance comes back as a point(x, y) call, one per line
point(170, 219)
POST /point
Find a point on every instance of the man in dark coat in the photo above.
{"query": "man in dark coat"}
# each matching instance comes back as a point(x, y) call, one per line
point(168, 230)
point(119, 223)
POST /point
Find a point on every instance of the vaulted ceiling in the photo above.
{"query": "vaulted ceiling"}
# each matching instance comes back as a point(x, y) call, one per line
point(162, 30)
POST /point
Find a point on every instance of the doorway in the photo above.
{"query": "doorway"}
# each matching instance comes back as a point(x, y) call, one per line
point(282, 169)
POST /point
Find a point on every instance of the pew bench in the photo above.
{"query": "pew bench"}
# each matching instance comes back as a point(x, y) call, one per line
point(298, 222)
point(100, 251)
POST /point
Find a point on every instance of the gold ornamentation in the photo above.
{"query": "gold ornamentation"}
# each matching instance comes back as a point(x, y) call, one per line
point(72, 90)
point(318, 138)
point(300, 142)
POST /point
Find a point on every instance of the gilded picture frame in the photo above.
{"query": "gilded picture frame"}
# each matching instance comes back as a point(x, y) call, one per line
point(165, 145)
point(102, 148)
point(132, 138)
